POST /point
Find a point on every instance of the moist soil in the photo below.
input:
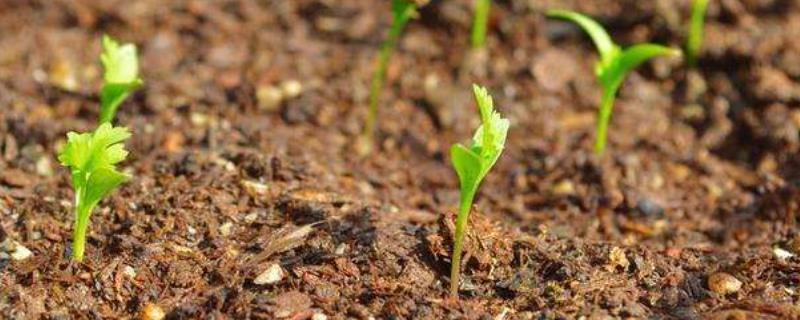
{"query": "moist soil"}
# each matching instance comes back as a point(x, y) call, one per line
point(250, 201)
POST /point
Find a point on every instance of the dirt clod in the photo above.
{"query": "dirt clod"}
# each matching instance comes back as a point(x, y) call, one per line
point(723, 283)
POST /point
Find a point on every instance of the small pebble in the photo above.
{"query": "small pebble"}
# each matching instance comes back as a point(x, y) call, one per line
point(781, 254)
point(251, 217)
point(617, 259)
point(43, 167)
point(272, 275)
point(649, 208)
point(129, 272)
point(152, 312)
point(723, 283)
point(15, 250)
point(225, 229)
point(269, 98)
point(319, 316)
point(254, 188)
point(291, 88)
point(564, 188)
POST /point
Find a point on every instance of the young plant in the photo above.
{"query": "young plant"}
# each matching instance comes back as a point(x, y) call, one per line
point(614, 65)
point(479, 23)
point(472, 163)
point(121, 76)
point(92, 158)
point(402, 12)
point(695, 39)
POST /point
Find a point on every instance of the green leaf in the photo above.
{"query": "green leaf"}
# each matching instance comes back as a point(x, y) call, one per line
point(599, 35)
point(490, 138)
point(101, 182)
point(119, 61)
point(85, 152)
point(121, 76)
point(467, 165)
point(92, 159)
point(471, 165)
point(632, 57)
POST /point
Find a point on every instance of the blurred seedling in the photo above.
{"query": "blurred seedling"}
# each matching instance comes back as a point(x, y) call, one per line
point(480, 22)
point(402, 12)
point(696, 25)
point(121, 77)
point(472, 163)
point(614, 65)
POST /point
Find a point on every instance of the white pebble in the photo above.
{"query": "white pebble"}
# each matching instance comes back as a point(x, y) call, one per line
point(225, 229)
point(319, 316)
point(272, 275)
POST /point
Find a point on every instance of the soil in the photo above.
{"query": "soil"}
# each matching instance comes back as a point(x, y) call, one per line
point(248, 200)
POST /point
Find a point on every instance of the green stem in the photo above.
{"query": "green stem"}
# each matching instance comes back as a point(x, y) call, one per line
point(603, 118)
point(82, 215)
point(379, 77)
point(479, 24)
point(695, 39)
point(458, 239)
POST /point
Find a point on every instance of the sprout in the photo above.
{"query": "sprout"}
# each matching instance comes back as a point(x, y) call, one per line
point(695, 39)
point(472, 164)
point(92, 159)
point(402, 11)
point(121, 76)
point(614, 65)
point(479, 23)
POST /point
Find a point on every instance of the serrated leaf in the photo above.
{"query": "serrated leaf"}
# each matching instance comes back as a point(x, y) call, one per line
point(121, 77)
point(474, 162)
point(120, 62)
point(85, 152)
point(490, 137)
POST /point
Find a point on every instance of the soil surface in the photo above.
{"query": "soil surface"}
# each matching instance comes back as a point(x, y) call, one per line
point(248, 200)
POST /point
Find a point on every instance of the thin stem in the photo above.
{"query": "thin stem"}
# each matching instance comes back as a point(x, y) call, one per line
point(82, 214)
point(479, 24)
point(379, 77)
point(695, 39)
point(603, 118)
point(467, 195)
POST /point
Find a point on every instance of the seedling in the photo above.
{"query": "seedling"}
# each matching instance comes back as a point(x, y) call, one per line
point(479, 23)
point(402, 11)
point(695, 39)
point(92, 158)
point(472, 164)
point(614, 65)
point(121, 76)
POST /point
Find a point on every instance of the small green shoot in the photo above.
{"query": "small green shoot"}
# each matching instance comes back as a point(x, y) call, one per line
point(472, 164)
point(480, 22)
point(614, 65)
point(121, 76)
point(695, 39)
point(402, 12)
point(92, 159)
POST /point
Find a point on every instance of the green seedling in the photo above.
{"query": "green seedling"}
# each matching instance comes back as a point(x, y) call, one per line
point(695, 39)
point(480, 22)
point(121, 76)
point(472, 163)
point(402, 12)
point(614, 65)
point(92, 158)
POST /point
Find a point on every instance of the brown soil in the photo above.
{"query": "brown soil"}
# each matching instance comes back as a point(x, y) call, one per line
point(701, 175)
